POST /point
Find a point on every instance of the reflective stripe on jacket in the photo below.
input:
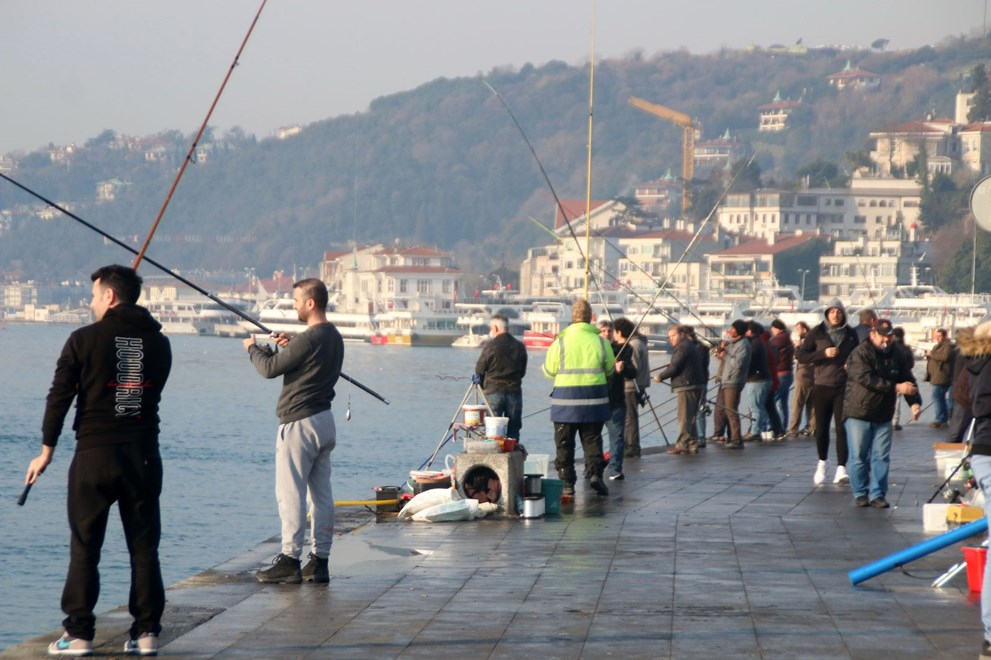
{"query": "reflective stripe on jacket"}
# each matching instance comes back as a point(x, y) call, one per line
point(580, 362)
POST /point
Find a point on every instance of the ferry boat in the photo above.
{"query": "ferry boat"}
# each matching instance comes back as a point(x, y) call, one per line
point(547, 319)
point(416, 328)
point(192, 317)
point(922, 309)
point(278, 315)
point(475, 317)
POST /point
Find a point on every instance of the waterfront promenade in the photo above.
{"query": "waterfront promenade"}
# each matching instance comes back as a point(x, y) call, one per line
point(728, 554)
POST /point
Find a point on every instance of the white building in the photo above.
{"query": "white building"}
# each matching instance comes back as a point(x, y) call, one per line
point(872, 266)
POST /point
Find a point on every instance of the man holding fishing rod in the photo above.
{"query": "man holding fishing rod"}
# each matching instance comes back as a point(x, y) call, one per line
point(310, 364)
point(115, 369)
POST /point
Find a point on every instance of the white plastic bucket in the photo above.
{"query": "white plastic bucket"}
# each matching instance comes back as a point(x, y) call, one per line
point(495, 427)
point(474, 414)
point(537, 464)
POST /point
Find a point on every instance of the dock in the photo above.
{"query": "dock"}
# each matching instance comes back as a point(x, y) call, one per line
point(730, 554)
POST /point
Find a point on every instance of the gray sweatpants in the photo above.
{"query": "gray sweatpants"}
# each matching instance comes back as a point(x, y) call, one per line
point(302, 476)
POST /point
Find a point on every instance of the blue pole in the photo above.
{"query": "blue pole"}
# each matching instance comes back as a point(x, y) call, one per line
point(911, 553)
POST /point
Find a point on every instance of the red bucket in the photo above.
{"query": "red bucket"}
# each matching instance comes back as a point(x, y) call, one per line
point(976, 559)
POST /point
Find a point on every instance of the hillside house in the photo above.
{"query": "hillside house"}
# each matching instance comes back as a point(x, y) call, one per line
point(854, 78)
point(773, 116)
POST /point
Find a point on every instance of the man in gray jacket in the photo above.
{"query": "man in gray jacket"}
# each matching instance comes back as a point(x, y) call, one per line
point(310, 365)
point(736, 363)
point(687, 381)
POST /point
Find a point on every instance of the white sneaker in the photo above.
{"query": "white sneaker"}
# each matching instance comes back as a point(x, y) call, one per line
point(820, 474)
point(841, 476)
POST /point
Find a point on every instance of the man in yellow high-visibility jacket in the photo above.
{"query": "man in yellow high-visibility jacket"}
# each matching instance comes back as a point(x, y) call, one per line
point(580, 362)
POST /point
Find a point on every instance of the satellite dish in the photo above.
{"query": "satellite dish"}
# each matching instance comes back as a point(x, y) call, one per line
point(980, 203)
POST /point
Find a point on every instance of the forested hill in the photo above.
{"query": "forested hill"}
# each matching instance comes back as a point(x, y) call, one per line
point(443, 164)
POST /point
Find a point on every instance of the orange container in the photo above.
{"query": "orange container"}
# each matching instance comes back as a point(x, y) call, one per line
point(976, 559)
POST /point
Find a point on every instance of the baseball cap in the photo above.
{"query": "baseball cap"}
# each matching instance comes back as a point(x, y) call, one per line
point(884, 328)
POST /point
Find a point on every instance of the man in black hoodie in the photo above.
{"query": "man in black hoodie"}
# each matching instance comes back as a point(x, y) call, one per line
point(115, 368)
point(826, 348)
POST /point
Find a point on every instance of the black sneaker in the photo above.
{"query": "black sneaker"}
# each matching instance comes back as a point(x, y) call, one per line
point(986, 650)
point(285, 570)
point(598, 485)
point(316, 570)
point(862, 501)
point(897, 427)
point(880, 503)
point(616, 476)
point(732, 444)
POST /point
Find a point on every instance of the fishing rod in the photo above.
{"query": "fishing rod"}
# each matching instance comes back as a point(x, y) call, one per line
point(196, 140)
point(174, 274)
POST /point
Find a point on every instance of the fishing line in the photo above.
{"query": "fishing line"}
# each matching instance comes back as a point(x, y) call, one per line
point(196, 140)
point(174, 274)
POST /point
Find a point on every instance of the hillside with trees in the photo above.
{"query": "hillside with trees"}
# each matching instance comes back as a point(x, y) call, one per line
point(444, 164)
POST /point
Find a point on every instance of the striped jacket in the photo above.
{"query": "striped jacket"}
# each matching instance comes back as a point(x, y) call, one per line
point(579, 361)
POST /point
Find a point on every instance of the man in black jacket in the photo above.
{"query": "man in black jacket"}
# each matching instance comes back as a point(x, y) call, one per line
point(624, 370)
point(500, 370)
point(115, 368)
point(877, 374)
point(687, 381)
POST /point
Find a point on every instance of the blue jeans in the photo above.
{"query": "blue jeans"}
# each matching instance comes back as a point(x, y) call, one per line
point(870, 456)
point(755, 394)
point(508, 404)
point(981, 466)
point(614, 425)
point(781, 397)
point(939, 402)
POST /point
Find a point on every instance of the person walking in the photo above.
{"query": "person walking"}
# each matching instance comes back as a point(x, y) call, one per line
point(310, 365)
point(898, 344)
point(939, 374)
point(975, 349)
point(500, 370)
point(633, 348)
point(617, 405)
point(116, 369)
point(687, 381)
point(783, 352)
point(876, 374)
point(736, 365)
point(801, 401)
point(580, 362)
point(826, 348)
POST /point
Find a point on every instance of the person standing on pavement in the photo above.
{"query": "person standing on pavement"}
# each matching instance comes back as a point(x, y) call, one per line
point(702, 347)
point(784, 352)
point(826, 348)
point(580, 362)
point(617, 405)
point(876, 374)
point(759, 383)
point(868, 319)
point(801, 401)
point(115, 368)
point(633, 349)
point(736, 365)
point(500, 370)
point(939, 374)
point(687, 381)
point(975, 348)
point(962, 413)
point(310, 365)
point(898, 344)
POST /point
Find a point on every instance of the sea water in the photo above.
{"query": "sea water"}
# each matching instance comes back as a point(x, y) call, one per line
point(217, 442)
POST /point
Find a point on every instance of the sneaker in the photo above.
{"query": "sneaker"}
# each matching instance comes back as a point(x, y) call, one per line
point(985, 650)
point(897, 427)
point(732, 444)
point(316, 570)
point(285, 570)
point(69, 645)
point(820, 474)
point(880, 503)
point(841, 476)
point(145, 644)
point(862, 501)
point(598, 485)
point(569, 490)
point(618, 476)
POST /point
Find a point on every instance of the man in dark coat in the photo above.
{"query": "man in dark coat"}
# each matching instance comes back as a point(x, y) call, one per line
point(500, 370)
point(687, 381)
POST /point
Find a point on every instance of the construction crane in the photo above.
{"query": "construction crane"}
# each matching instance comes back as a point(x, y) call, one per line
point(690, 128)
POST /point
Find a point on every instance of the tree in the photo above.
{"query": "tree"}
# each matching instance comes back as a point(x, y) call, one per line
point(879, 44)
point(942, 202)
point(747, 176)
point(821, 173)
point(981, 110)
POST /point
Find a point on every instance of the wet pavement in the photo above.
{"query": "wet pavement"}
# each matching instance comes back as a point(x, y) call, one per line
point(727, 554)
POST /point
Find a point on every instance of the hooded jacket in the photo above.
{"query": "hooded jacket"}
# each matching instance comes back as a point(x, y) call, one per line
point(115, 369)
point(975, 348)
point(828, 371)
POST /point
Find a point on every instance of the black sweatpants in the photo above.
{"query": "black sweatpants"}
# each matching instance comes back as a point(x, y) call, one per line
point(131, 476)
point(828, 402)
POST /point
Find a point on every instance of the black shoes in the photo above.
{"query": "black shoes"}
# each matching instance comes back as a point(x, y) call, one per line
point(862, 501)
point(880, 503)
point(316, 570)
point(598, 485)
point(284, 570)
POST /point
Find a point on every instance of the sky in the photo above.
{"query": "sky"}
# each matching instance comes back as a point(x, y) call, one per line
point(73, 68)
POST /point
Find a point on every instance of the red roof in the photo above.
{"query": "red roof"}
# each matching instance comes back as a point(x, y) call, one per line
point(760, 246)
point(573, 208)
point(978, 127)
point(414, 251)
point(332, 255)
point(922, 126)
